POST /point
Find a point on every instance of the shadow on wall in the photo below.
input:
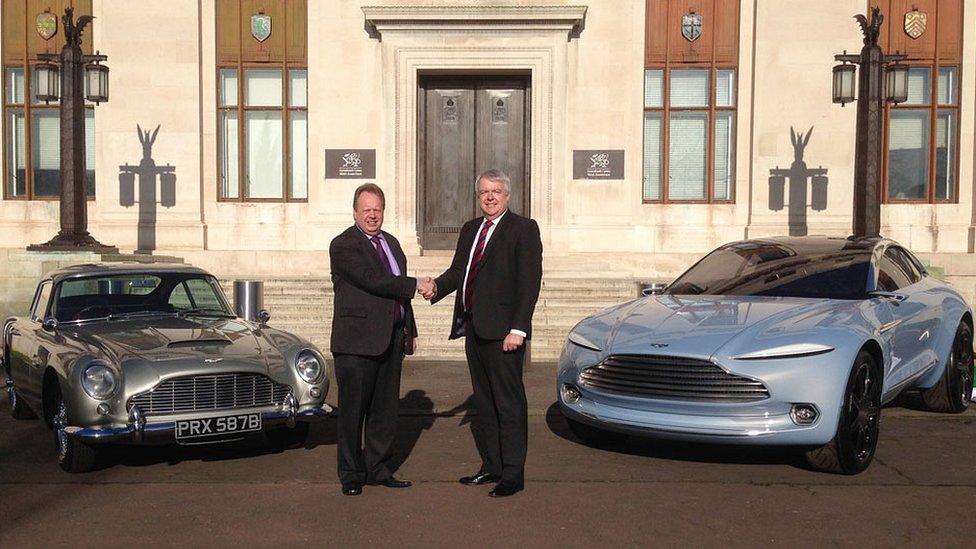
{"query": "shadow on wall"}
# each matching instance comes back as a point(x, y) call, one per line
point(797, 175)
point(146, 173)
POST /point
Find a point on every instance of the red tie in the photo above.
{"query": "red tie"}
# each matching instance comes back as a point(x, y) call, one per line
point(397, 309)
point(479, 251)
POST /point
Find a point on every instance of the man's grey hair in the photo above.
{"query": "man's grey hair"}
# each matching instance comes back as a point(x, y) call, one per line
point(497, 176)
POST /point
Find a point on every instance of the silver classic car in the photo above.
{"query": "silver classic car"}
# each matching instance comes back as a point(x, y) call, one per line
point(137, 354)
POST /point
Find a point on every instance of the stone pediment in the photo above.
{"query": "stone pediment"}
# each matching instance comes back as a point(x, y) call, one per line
point(380, 19)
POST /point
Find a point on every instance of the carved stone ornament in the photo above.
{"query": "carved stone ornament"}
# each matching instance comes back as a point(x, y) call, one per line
point(46, 25)
point(915, 23)
point(691, 26)
point(260, 27)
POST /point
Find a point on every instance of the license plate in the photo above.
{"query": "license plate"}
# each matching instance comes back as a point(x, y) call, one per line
point(196, 429)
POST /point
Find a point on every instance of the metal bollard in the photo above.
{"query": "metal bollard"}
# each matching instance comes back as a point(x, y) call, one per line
point(248, 298)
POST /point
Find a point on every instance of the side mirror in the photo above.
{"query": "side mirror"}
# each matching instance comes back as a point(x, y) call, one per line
point(264, 316)
point(50, 324)
point(655, 288)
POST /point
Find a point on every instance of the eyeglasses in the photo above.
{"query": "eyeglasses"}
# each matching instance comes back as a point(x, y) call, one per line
point(493, 192)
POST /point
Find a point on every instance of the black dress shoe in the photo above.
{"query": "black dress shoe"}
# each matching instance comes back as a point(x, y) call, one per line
point(479, 478)
point(505, 489)
point(352, 489)
point(391, 482)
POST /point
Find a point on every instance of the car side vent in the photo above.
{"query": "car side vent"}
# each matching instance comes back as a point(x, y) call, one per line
point(198, 343)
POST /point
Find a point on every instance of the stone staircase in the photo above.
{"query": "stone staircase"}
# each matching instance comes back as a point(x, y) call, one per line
point(304, 306)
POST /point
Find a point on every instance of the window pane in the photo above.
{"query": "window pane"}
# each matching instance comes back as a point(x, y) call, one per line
point(725, 88)
point(689, 88)
point(89, 152)
point(15, 179)
point(298, 186)
point(919, 86)
point(723, 156)
point(229, 160)
point(264, 154)
point(945, 155)
point(298, 88)
point(263, 88)
point(908, 146)
point(228, 87)
point(653, 88)
point(652, 156)
point(687, 156)
point(947, 85)
point(15, 86)
point(46, 152)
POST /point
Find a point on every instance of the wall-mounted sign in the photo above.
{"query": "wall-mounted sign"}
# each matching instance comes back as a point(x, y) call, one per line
point(598, 164)
point(350, 163)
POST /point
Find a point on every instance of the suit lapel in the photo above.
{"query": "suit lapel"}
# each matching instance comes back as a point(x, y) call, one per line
point(367, 246)
point(496, 236)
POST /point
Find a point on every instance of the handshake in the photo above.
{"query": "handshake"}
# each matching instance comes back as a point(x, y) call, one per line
point(426, 287)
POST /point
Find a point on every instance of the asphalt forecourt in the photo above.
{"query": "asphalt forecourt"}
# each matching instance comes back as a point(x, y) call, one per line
point(642, 492)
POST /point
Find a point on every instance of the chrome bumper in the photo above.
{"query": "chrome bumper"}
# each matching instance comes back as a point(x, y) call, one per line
point(139, 430)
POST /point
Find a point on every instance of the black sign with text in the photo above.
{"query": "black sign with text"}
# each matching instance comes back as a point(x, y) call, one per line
point(350, 163)
point(604, 164)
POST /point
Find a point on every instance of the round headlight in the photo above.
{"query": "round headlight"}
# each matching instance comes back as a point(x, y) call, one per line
point(308, 366)
point(98, 380)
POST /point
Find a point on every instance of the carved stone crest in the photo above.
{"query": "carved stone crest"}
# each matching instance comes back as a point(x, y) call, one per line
point(260, 27)
point(915, 23)
point(46, 25)
point(691, 26)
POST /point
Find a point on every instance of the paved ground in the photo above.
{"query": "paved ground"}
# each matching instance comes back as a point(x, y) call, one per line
point(921, 488)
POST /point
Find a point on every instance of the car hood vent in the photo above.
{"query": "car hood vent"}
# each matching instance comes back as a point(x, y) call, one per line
point(197, 343)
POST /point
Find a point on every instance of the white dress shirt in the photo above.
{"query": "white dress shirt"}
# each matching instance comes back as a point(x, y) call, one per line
point(467, 268)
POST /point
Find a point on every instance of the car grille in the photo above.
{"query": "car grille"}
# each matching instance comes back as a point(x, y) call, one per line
point(210, 392)
point(675, 378)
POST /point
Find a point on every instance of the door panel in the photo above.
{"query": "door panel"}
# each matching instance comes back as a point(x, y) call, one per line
point(467, 125)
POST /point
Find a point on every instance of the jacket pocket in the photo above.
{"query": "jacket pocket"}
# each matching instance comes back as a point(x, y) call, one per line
point(352, 311)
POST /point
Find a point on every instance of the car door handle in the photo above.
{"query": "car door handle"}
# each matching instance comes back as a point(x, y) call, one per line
point(894, 296)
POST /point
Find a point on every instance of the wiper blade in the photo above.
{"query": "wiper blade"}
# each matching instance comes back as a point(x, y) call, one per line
point(204, 312)
point(131, 314)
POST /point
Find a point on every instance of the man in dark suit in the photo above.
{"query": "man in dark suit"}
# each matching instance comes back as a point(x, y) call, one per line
point(497, 272)
point(372, 327)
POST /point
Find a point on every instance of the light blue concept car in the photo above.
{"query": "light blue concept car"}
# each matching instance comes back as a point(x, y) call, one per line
point(778, 341)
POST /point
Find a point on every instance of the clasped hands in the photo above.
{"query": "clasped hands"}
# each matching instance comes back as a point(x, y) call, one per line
point(426, 287)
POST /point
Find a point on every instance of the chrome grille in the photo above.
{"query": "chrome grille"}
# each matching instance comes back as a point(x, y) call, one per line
point(675, 378)
point(210, 392)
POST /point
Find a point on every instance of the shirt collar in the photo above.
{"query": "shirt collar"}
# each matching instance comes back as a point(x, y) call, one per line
point(493, 221)
point(368, 237)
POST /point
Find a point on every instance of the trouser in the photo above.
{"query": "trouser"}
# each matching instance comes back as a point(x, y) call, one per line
point(369, 397)
point(500, 427)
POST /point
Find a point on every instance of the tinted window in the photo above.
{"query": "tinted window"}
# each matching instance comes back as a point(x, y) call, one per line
point(770, 269)
point(40, 308)
point(893, 273)
point(902, 259)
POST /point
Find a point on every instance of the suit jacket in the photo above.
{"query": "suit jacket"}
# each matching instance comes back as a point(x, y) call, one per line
point(509, 278)
point(362, 321)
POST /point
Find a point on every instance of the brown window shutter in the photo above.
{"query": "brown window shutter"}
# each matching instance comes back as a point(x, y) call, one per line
point(272, 49)
point(950, 31)
point(228, 31)
point(36, 44)
point(655, 32)
point(296, 32)
point(14, 25)
point(726, 32)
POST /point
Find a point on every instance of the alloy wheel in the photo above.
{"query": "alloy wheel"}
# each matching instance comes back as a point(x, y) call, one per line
point(863, 415)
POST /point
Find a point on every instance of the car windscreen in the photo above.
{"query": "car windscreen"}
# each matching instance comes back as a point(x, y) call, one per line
point(777, 271)
point(123, 295)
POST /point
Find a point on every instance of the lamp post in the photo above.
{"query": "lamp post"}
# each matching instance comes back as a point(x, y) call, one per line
point(882, 78)
point(80, 76)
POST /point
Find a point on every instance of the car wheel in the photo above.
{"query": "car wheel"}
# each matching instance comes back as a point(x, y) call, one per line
point(592, 436)
point(284, 437)
point(18, 408)
point(853, 446)
point(74, 456)
point(955, 388)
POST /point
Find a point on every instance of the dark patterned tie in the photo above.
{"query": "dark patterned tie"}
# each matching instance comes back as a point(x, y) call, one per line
point(397, 309)
point(479, 251)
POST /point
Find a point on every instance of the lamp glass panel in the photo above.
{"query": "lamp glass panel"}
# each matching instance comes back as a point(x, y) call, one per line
point(843, 85)
point(947, 86)
point(46, 152)
point(89, 152)
point(725, 87)
point(652, 156)
point(919, 86)
point(298, 88)
point(228, 87)
point(896, 84)
point(15, 179)
point(263, 154)
point(946, 157)
point(908, 154)
point(46, 83)
point(689, 88)
point(653, 88)
point(722, 170)
point(687, 155)
point(298, 185)
point(262, 88)
point(15, 86)
point(229, 158)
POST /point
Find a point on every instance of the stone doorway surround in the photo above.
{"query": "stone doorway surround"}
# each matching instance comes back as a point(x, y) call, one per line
point(526, 39)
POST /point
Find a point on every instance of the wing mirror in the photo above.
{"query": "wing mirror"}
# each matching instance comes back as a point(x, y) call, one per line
point(50, 324)
point(894, 296)
point(654, 288)
point(264, 316)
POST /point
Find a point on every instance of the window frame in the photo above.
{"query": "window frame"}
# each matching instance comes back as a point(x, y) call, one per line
point(285, 109)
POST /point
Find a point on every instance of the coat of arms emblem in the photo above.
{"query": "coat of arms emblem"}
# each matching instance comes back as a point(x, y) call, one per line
point(260, 27)
point(352, 160)
point(47, 25)
point(915, 23)
point(599, 160)
point(691, 26)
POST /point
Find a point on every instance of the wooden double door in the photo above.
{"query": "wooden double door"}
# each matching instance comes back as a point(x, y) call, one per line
point(467, 125)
